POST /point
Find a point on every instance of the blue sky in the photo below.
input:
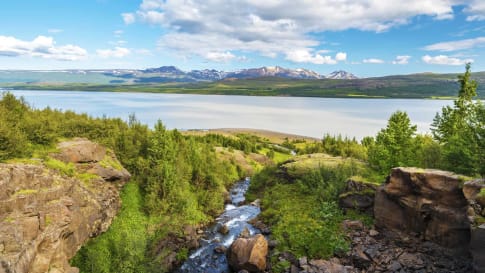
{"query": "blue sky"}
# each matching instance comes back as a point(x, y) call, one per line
point(367, 38)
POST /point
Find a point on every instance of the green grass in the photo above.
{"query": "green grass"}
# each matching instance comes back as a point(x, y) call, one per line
point(63, 168)
point(302, 211)
point(109, 162)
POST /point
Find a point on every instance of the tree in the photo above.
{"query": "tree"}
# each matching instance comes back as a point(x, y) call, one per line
point(394, 145)
point(459, 129)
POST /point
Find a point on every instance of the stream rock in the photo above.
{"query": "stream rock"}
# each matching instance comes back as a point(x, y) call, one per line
point(46, 216)
point(248, 254)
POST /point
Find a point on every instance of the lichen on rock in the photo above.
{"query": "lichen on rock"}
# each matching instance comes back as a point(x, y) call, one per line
point(47, 214)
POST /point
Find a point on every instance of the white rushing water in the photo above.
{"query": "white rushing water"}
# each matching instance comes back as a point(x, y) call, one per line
point(235, 217)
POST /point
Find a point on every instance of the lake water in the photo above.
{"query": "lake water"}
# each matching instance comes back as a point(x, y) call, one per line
point(297, 115)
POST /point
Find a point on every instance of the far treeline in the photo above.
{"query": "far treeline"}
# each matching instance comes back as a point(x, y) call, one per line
point(423, 86)
point(180, 179)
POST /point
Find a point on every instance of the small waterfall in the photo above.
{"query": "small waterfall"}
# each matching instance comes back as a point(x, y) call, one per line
point(207, 258)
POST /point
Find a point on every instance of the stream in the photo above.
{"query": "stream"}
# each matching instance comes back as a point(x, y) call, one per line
point(206, 259)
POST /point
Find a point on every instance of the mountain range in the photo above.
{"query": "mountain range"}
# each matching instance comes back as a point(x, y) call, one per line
point(174, 74)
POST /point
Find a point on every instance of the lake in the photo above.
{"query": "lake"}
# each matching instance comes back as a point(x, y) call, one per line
point(296, 115)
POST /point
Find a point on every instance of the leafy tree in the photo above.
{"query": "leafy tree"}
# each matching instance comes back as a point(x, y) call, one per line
point(459, 128)
point(394, 145)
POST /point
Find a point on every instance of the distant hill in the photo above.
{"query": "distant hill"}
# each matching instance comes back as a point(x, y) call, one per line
point(264, 81)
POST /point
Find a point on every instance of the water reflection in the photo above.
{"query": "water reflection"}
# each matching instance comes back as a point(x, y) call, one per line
point(305, 116)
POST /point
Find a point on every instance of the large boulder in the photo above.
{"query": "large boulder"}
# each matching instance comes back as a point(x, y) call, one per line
point(430, 203)
point(47, 215)
point(248, 254)
point(80, 150)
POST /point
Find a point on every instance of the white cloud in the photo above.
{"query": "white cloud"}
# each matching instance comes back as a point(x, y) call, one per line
point(271, 27)
point(128, 18)
point(401, 59)
point(476, 9)
point(445, 60)
point(341, 56)
point(117, 52)
point(373, 61)
point(305, 56)
point(55, 30)
point(456, 45)
point(41, 46)
point(220, 56)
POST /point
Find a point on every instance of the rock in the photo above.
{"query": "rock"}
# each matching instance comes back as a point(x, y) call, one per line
point(426, 202)
point(256, 203)
point(328, 267)
point(224, 229)
point(477, 248)
point(411, 261)
point(245, 233)
point(80, 150)
point(47, 216)
point(359, 258)
point(357, 200)
point(248, 254)
point(373, 232)
point(303, 261)
point(220, 249)
point(353, 225)
point(472, 188)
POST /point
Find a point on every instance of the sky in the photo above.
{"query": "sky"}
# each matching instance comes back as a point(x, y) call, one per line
point(367, 37)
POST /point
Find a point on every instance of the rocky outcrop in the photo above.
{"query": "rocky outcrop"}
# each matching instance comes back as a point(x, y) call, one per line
point(358, 195)
point(48, 213)
point(429, 203)
point(248, 254)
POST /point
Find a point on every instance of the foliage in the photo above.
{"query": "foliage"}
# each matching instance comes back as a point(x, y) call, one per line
point(336, 146)
point(303, 212)
point(394, 145)
point(460, 130)
point(122, 248)
point(178, 179)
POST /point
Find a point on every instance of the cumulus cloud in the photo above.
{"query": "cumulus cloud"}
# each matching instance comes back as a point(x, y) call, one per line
point(117, 52)
point(128, 18)
point(341, 56)
point(373, 61)
point(41, 46)
point(445, 60)
point(273, 28)
point(401, 59)
point(457, 45)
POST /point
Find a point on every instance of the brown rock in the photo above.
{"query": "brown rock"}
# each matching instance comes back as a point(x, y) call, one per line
point(224, 229)
point(426, 202)
point(47, 216)
point(80, 150)
point(327, 266)
point(248, 254)
point(353, 225)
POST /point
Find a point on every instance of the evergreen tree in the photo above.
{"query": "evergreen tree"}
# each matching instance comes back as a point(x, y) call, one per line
point(459, 128)
point(394, 145)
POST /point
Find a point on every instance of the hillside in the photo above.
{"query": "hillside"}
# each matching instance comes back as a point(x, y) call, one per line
point(427, 85)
